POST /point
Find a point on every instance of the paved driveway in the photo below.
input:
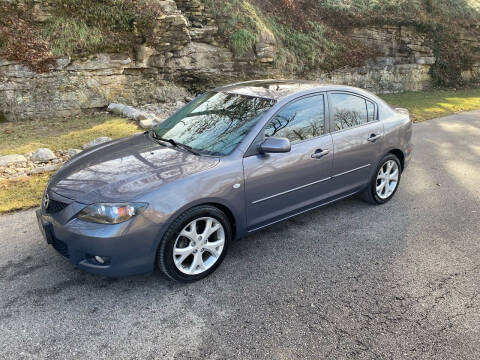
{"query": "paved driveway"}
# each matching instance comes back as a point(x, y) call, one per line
point(347, 281)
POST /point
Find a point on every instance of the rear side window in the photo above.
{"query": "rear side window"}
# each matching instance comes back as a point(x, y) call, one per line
point(350, 110)
point(300, 120)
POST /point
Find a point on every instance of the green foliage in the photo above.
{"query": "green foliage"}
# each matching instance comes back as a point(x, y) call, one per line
point(76, 28)
point(109, 25)
point(240, 22)
point(242, 41)
point(398, 11)
point(302, 50)
point(303, 45)
point(69, 36)
point(109, 15)
point(452, 57)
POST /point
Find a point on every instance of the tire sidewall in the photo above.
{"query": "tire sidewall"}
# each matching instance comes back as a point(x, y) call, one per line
point(165, 253)
point(373, 183)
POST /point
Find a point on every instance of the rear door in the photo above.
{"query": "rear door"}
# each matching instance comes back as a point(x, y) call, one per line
point(278, 185)
point(357, 137)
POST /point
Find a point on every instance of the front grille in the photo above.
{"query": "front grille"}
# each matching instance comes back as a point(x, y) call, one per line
point(61, 247)
point(55, 206)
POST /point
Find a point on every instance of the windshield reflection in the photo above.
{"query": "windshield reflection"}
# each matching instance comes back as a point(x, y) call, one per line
point(214, 123)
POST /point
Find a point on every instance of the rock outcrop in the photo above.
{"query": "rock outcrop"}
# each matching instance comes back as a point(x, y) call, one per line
point(185, 52)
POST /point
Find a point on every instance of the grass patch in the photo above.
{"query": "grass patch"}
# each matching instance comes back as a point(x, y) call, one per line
point(241, 24)
point(22, 193)
point(427, 105)
point(303, 50)
point(56, 134)
point(68, 36)
point(61, 134)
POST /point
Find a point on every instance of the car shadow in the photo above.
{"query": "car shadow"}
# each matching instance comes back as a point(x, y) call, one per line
point(45, 276)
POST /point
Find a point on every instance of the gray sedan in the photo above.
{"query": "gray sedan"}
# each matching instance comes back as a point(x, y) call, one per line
point(234, 160)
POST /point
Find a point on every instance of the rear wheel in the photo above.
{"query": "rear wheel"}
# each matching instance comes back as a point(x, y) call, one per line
point(385, 181)
point(195, 244)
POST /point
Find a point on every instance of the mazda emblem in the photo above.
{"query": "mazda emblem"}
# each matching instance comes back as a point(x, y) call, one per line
point(46, 201)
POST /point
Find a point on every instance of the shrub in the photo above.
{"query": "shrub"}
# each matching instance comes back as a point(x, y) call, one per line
point(20, 40)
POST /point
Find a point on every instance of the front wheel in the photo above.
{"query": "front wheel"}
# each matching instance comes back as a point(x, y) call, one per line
point(195, 244)
point(385, 181)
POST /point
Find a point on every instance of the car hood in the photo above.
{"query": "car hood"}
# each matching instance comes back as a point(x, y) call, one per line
point(124, 169)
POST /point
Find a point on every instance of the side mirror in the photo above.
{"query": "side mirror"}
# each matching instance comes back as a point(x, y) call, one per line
point(275, 145)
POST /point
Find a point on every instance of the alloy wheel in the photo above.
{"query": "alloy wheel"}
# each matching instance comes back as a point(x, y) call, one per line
point(199, 245)
point(387, 179)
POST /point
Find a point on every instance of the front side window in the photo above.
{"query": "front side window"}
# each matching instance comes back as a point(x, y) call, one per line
point(350, 110)
point(214, 123)
point(300, 120)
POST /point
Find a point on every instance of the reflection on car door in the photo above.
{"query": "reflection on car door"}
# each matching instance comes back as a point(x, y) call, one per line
point(279, 185)
point(357, 140)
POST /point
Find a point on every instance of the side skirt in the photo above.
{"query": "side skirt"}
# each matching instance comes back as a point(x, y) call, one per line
point(303, 211)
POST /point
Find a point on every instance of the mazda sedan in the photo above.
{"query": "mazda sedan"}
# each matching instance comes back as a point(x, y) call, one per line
point(234, 160)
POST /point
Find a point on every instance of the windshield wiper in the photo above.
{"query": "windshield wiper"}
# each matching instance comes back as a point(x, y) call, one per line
point(174, 143)
point(186, 147)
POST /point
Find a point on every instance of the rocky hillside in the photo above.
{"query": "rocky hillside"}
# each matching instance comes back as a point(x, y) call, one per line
point(60, 57)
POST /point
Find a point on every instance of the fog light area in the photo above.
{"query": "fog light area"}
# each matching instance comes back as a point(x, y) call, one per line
point(99, 260)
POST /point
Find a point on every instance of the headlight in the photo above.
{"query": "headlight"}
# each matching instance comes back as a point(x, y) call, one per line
point(104, 213)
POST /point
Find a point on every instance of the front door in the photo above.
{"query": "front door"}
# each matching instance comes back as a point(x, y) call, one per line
point(278, 185)
point(357, 140)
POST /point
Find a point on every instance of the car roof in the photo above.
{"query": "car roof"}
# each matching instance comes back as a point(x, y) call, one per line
point(278, 89)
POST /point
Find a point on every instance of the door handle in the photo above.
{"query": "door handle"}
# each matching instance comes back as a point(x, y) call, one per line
point(374, 137)
point(319, 153)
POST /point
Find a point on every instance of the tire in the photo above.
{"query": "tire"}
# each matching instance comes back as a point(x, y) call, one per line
point(370, 194)
point(194, 224)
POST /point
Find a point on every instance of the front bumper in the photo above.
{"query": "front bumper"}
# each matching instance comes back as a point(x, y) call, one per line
point(130, 246)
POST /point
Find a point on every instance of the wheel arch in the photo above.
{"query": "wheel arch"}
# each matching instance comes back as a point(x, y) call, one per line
point(225, 209)
point(234, 218)
point(400, 155)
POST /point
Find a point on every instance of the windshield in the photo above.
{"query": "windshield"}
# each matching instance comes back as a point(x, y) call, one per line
point(214, 123)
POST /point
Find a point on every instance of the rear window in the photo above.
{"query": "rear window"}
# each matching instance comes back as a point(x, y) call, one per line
point(350, 110)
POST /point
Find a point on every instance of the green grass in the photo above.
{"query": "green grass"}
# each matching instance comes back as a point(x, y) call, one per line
point(22, 193)
point(56, 134)
point(242, 23)
point(68, 36)
point(61, 134)
point(303, 50)
point(436, 103)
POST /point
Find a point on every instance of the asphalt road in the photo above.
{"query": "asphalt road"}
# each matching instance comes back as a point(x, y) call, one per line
point(347, 281)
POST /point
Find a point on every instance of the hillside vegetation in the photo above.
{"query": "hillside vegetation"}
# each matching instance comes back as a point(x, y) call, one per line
point(311, 33)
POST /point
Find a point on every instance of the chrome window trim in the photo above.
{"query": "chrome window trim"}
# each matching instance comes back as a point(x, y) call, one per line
point(331, 110)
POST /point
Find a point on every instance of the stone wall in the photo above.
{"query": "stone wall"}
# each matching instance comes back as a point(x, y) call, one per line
point(402, 61)
point(75, 86)
point(188, 54)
